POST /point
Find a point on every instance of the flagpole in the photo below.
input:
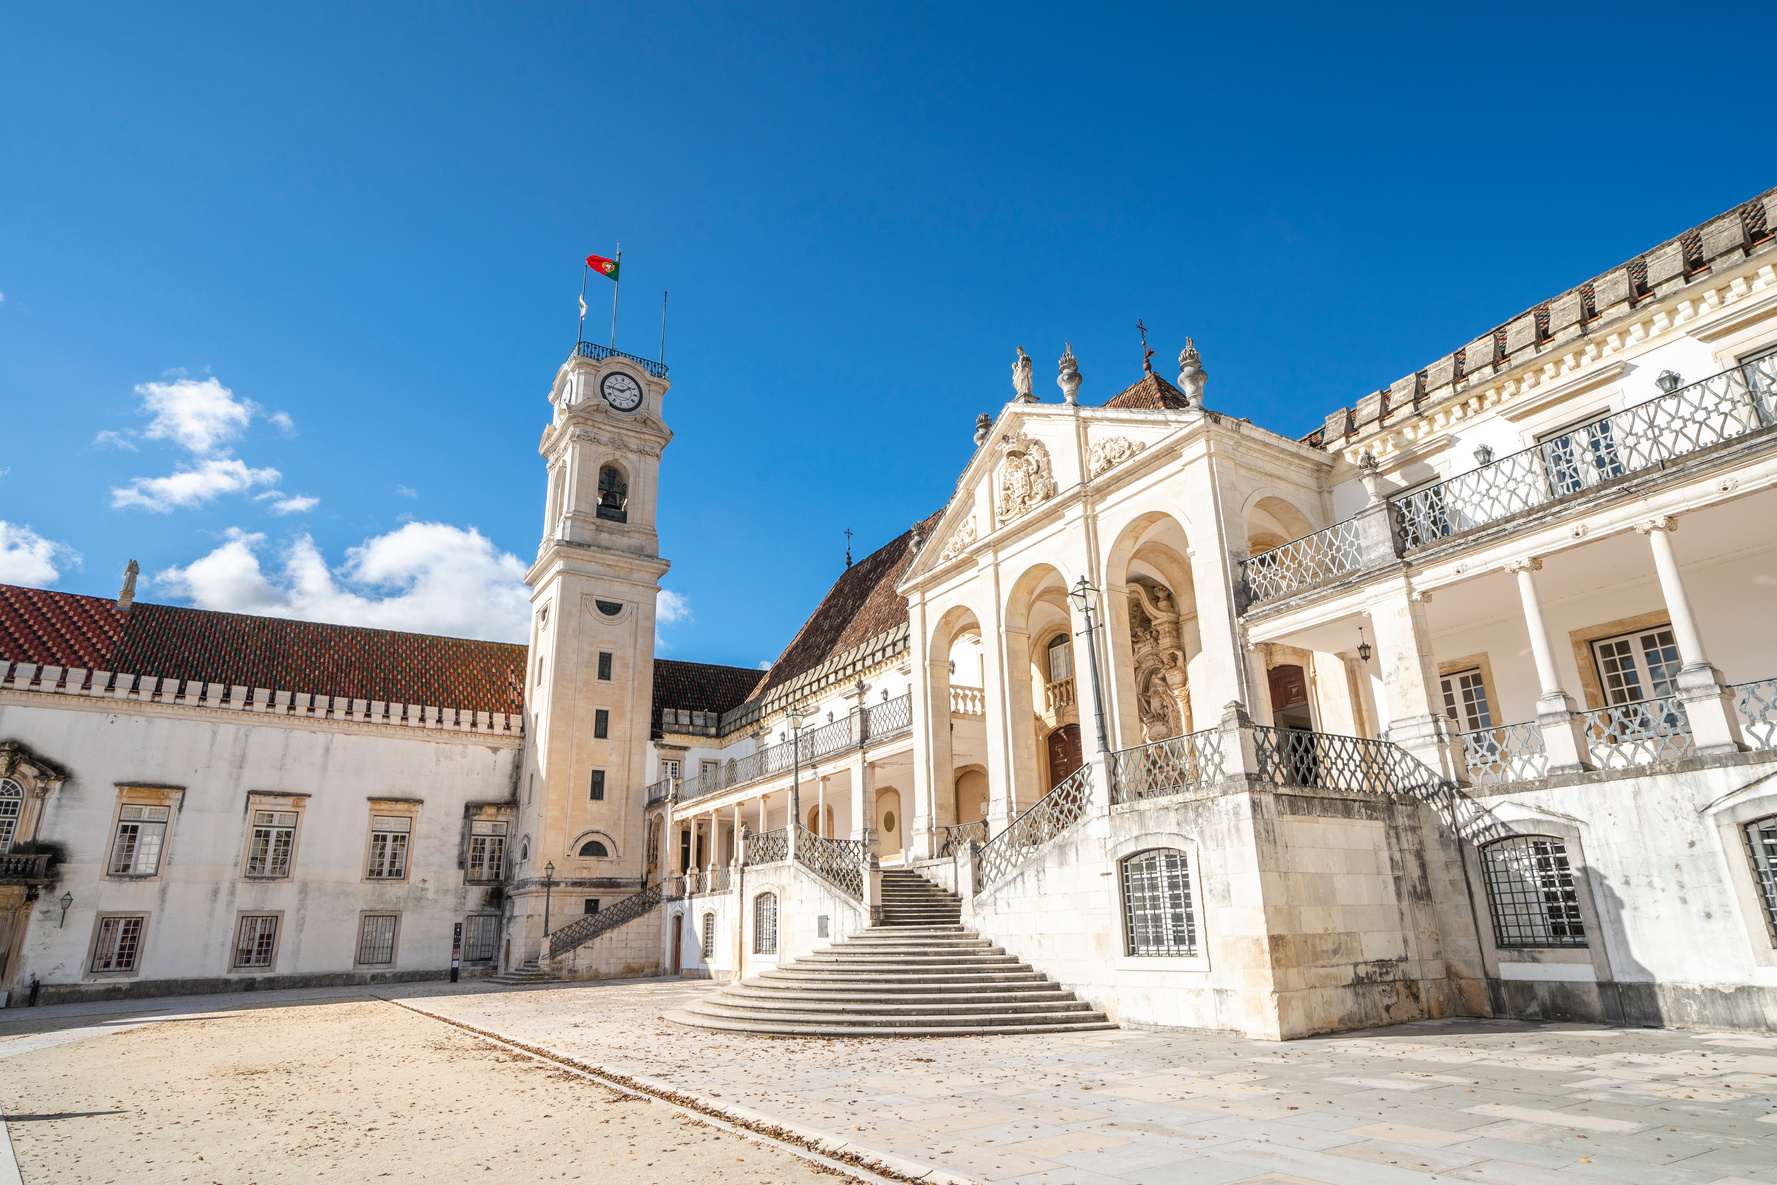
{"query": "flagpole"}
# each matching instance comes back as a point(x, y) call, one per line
point(663, 327)
point(616, 287)
point(584, 268)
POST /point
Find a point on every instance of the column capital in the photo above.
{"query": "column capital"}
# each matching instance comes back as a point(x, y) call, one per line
point(1529, 563)
point(1664, 522)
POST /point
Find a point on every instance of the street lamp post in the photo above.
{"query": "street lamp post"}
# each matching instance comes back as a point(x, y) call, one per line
point(1085, 600)
point(794, 718)
point(548, 886)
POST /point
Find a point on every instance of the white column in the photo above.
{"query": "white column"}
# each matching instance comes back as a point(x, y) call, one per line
point(1540, 648)
point(1563, 729)
point(820, 811)
point(1709, 706)
point(1672, 590)
point(1409, 674)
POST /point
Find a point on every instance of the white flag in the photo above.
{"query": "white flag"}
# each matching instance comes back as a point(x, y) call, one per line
point(583, 308)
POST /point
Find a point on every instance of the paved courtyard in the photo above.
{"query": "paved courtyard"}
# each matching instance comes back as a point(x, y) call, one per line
point(1475, 1101)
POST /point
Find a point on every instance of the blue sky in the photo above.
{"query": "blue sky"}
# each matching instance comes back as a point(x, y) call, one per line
point(320, 264)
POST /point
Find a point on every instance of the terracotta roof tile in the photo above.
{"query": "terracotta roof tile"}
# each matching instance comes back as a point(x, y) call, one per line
point(64, 629)
point(701, 686)
point(1152, 393)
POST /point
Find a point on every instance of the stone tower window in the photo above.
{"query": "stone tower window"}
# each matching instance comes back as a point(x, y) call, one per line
point(613, 495)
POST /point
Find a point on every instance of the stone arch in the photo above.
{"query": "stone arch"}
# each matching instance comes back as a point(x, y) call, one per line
point(1271, 520)
point(930, 799)
point(578, 848)
point(1036, 608)
point(1155, 684)
point(613, 490)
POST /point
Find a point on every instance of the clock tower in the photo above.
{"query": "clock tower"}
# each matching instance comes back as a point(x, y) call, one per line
point(589, 685)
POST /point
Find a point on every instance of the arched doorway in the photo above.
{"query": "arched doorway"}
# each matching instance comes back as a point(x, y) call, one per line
point(1064, 753)
point(971, 796)
point(814, 821)
point(678, 942)
point(888, 823)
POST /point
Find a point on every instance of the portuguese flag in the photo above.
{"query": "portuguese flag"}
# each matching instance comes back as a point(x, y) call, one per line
point(601, 265)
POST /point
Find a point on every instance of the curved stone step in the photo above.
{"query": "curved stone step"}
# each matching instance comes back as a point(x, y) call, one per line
point(780, 1029)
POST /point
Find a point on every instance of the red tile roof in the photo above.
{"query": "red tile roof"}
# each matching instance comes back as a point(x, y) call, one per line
point(64, 629)
point(701, 686)
point(1152, 393)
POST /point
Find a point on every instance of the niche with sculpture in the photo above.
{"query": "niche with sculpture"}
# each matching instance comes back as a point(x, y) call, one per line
point(1162, 696)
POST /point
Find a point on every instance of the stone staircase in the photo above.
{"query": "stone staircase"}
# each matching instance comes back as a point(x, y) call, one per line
point(521, 976)
point(918, 974)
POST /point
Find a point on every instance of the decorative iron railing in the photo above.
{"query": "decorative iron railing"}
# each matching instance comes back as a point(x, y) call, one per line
point(840, 862)
point(768, 847)
point(1331, 761)
point(659, 790)
point(24, 866)
point(1711, 411)
point(627, 909)
point(880, 722)
point(1508, 753)
point(1176, 765)
point(593, 350)
point(1329, 552)
point(1641, 733)
point(957, 836)
point(1052, 814)
point(1757, 702)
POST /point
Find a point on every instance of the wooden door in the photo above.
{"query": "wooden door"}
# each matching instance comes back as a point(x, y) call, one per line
point(1064, 753)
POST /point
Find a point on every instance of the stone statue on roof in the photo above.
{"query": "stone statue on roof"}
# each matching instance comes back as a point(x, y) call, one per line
point(1021, 377)
point(1191, 375)
point(1069, 378)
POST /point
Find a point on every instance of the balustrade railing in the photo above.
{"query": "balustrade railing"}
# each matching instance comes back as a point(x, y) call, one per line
point(1052, 814)
point(768, 847)
point(1058, 695)
point(840, 862)
point(1708, 412)
point(709, 880)
point(968, 701)
point(1329, 552)
point(594, 350)
point(957, 835)
point(1177, 765)
point(24, 866)
point(658, 791)
point(584, 929)
point(1641, 733)
point(1508, 753)
point(1330, 761)
point(879, 722)
point(1757, 702)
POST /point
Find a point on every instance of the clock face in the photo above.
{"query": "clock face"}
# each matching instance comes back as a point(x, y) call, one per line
point(621, 391)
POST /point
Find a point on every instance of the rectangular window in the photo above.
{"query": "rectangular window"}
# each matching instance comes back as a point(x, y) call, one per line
point(1465, 700)
point(1579, 455)
point(481, 937)
point(605, 665)
point(255, 941)
point(1638, 666)
point(1530, 886)
point(274, 840)
point(1061, 659)
point(376, 939)
point(141, 834)
point(592, 905)
point(120, 941)
point(709, 935)
point(601, 723)
point(598, 785)
point(12, 804)
point(388, 847)
point(668, 769)
point(1158, 916)
point(707, 769)
point(1761, 845)
point(487, 850)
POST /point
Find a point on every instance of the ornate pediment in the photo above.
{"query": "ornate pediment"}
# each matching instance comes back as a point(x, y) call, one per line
point(1026, 478)
point(1112, 451)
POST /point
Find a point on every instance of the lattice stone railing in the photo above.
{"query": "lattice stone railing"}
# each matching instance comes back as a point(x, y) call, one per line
point(878, 723)
point(1334, 762)
point(1177, 765)
point(707, 880)
point(840, 862)
point(1757, 702)
point(1329, 552)
point(1508, 753)
point(1052, 814)
point(1708, 412)
point(1653, 730)
point(584, 929)
point(957, 836)
point(768, 847)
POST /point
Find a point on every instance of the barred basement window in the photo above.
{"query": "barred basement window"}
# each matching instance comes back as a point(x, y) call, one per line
point(388, 847)
point(481, 936)
point(120, 941)
point(141, 834)
point(1761, 844)
point(255, 942)
point(1157, 909)
point(709, 935)
point(1531, 891)
point(765, 924)
point(274, 840)
point(601, 723)
point(487, 850)
point(376, 939)
point(12, 803)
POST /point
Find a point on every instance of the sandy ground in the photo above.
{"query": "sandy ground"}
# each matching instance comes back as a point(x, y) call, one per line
point(353, 1089)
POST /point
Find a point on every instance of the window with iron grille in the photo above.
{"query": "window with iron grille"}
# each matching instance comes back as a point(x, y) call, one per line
point(388, 847)
point(765, 924)
point(487, 850)
point(119, 943)
point(1580, 455)
point(376, 938)
point(1532, 893)
point(256, 940)
point(709, 935)
point(12, 804)
point(1157, 913)
point(1465, 700)
point(272, 845)
point(141, 835)
point(1761, 845)
point(481, 937)
point(601, 723)
point(1638, 666)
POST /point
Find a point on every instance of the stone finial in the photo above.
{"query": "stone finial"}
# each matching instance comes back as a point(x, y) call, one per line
point(1069, 379)
point(127, 595)
point(1021, 379)
point(917, 536)
point(984, 427)
point(1191, 375)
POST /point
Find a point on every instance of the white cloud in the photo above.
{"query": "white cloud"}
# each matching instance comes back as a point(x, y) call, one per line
point(201, 416)
point(111, 439)
point(670, 608)
point(426, 577)
point(192, 487)
point(282, 422)
point(28, 558)
point(765, 664)
point(406, 492)
point(294, 504)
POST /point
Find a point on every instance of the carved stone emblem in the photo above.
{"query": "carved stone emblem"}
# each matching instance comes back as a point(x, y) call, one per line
point(964, 536)
point(1110, 452)
point(1162, 698)
point(1026, 480)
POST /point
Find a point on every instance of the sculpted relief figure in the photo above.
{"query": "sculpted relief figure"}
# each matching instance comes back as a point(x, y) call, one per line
point(964, 536)
point(1026, 480)
point(1162, 692)
point(1021, 377)
point(1110, 452)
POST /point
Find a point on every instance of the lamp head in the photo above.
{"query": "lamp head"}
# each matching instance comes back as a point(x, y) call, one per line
point(549, 868)
point(794, 718)
point(1083, 597)
point(1363, 647)
point(65, 900)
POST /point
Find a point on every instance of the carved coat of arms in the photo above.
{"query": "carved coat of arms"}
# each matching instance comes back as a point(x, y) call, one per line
point(1026, 480)
point(963, 536)
point(1110, 452)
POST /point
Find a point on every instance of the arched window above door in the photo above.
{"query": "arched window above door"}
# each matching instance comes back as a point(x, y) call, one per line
point(1060, 658)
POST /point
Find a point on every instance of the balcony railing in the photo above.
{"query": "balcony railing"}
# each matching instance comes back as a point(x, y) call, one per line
point(968, 701)
point(877, 723)
point(1329, 552)
point(593, 350)
point(1177, 765)
point(840, 862)
point(768, 847)
point(1641, 733)
point(658, 791)
point(1058, 695)
point(1330, 761)
point(1053, 814)
point(1757, 702)
point(26, 867)
point(957, 835)
point(1508, 753)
